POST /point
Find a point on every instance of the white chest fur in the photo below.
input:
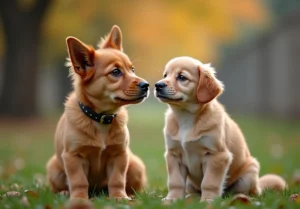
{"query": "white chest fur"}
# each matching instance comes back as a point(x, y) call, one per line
point(192, 152)
point(192, 155)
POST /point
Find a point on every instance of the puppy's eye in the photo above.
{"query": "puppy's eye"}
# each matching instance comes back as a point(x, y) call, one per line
point(181, 78)
point(165, 75)
point(116, 72)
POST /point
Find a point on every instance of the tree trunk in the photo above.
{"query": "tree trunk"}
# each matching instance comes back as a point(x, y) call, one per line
point(22, 30)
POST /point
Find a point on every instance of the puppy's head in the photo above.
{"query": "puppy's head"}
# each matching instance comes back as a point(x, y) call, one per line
point(187, 80)
point(106, 75)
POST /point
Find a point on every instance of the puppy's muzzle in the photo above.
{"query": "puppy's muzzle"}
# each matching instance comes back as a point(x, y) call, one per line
point(143, 86)
point(160, 86)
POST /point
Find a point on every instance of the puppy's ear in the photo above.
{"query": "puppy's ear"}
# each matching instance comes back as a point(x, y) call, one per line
point(82, 58)
point(113, 39)
point(208, 87)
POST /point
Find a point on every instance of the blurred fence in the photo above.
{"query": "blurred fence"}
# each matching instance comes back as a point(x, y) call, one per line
point(264, 76)
point(261, 77)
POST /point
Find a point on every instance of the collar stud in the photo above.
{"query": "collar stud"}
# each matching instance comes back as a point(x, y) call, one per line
point(99, 117)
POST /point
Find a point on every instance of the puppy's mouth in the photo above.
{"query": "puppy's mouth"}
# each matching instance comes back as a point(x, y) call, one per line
point(133, 100)
point(164, 97)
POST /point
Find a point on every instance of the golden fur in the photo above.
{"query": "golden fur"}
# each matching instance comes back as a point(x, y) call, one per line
point(90, 156)
point(206, 152)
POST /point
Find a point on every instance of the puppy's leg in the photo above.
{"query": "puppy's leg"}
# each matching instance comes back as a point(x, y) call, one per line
point(177, 174)
point(136, 175)
point(215, 170)
point(56, 175)
point(77, 177)
point(116, 172)
point(248, 181)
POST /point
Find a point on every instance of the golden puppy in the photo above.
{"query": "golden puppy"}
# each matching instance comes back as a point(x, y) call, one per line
point(206, 153)
point(92, 139)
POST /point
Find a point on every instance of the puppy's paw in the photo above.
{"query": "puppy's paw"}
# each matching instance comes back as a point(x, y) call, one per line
point(76, 203)
point(208, 200)
point(119, 199)
point(64, 192)
point(168, 200)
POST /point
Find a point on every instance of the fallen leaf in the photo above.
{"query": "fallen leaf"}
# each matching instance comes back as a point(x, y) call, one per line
point(12, 194)
point(281, 206)
point(295, 198)
point(240, 198)
point(30, 193)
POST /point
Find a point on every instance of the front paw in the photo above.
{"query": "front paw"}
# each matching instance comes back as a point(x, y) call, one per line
point(169, 199)
point(208, 200)
point(64, 193)
point(79, 203)
point(122, 198)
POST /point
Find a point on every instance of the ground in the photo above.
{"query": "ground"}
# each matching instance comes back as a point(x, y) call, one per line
point(25, 148)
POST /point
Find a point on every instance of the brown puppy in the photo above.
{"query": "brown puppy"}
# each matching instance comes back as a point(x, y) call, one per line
point(92, 139)
point(206, 153)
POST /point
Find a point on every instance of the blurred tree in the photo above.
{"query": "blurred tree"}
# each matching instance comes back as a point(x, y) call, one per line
point(281, 8)
point(22, 30)
point(153, 31)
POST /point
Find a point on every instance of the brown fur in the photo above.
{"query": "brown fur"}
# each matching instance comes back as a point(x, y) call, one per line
point(206, 152)
point(90, 156)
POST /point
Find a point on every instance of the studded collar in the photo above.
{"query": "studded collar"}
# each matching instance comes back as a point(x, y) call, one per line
point(99, 117)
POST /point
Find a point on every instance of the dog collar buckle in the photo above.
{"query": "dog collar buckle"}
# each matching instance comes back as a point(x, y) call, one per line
point(107, 119)
point(99, 117)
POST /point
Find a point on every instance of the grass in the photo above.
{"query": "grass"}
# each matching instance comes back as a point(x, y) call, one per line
point(25, 147)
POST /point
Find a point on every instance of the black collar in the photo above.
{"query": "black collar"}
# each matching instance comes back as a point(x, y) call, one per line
point(99, 117)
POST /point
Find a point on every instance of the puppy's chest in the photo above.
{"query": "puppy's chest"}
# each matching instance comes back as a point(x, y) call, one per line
point(94, 150)
point(184, 131)
point(102, 137)
point(192, 152)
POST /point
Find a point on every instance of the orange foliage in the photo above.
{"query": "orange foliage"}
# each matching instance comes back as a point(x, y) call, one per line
point(154, 31)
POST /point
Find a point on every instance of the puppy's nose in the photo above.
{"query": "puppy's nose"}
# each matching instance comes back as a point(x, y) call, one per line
point(143, 85)
point(160, 86)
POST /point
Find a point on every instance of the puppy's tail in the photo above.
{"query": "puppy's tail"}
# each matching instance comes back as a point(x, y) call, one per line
point(273, 182)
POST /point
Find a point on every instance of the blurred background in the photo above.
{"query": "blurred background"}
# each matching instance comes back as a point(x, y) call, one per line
point(253, 44)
